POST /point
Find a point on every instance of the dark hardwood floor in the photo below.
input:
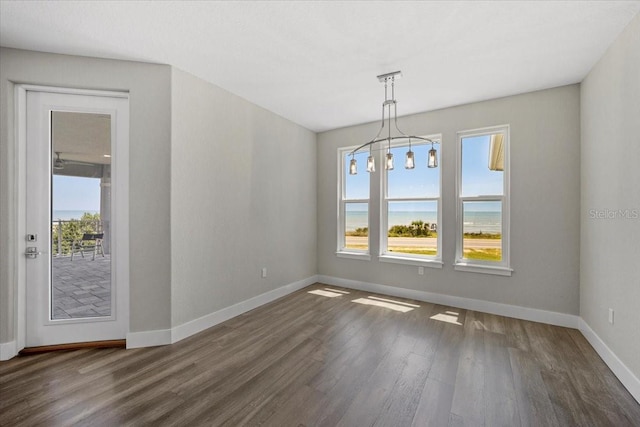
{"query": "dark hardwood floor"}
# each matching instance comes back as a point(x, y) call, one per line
point(336, 357)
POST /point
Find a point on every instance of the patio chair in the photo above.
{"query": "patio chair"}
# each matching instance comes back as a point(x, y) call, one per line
point(90, 242)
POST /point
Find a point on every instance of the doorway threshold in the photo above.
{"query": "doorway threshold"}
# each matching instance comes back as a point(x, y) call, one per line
point(73, 346)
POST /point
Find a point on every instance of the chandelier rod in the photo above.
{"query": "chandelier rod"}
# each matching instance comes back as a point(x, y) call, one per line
point(393, 138)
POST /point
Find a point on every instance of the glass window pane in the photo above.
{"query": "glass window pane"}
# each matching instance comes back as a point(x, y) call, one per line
point(481, 174)
point(356, 186)
point(356, 229)
point(413, 228)
point(482, 230)
point(418, 182)
point(80, 216)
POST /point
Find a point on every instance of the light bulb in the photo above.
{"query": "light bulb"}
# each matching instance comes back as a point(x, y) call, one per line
point(371, 164)
point(389, 163)
point(433, 158)
point(409, 162)
point(353, 167)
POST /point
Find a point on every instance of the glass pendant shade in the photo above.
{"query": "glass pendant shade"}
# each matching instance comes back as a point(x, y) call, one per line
point(353, 167)
point(371, 164)
point(433, 158)
point(389, 162)
point(409, 162)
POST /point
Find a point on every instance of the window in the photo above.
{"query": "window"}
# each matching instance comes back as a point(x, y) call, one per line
point(353, 209)
point(411, 206)
point(483, 201)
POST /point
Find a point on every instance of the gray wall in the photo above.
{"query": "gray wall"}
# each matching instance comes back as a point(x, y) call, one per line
point(150, 144)
point(545, 201)
point(610, 247)
point(243, 197)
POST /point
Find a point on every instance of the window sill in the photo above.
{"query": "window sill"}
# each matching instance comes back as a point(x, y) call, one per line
point(354, 255)
point(431, 263)
point(483, 269)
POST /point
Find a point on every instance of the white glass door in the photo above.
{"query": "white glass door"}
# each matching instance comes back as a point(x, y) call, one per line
point(76, 219)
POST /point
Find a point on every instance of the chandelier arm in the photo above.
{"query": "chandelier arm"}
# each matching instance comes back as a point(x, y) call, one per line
point(381, 127)
point(366, 144)
point(375, 139)
point(393, 138)
point(395, 120)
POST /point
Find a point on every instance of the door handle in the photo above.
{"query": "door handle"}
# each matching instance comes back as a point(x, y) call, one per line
point(32, 252)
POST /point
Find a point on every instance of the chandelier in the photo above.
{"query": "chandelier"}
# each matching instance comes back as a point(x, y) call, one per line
point(409, 163)
point(58, 163)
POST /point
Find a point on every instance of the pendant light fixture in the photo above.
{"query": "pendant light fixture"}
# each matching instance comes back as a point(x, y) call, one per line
point(409, 161)
point(58, 163)
point(389, 163)
point(387, 79)
point(353, 166)
point(433, 157)
point(371, 162)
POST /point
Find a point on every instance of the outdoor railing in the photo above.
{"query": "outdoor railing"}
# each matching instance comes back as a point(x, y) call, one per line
point(65, 231)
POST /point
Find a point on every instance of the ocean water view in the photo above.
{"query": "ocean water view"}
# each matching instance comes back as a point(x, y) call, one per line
point(474, 222)
point(66, 215)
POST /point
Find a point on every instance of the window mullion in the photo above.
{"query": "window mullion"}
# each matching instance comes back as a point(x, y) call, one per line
point(413, 199)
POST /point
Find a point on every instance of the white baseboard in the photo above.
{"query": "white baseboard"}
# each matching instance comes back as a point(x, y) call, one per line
point(524, 313)
point(198, 325)
point(169, 336)
point(8, 350)
point(180, 332)
point(624, 374)
point(148, 338)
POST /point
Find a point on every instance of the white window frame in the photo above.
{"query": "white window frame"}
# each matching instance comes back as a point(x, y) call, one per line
point(434, 261)
point(503, 267)
point(341, 250)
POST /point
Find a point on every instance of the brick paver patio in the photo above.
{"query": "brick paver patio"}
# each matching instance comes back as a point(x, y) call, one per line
point(82, 287)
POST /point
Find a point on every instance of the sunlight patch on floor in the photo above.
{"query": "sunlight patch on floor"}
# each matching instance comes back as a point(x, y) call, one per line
point(324, 293)
point(336, 290)
point(448, 317)
point(479, 325)
point(391, 305)
point(394, 302)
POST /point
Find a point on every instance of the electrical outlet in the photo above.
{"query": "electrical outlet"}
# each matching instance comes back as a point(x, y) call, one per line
point(611, 316)
point(264, 272)
point(421, 271)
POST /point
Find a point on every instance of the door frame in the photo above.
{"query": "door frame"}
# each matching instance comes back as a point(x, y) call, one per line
point(119, 194)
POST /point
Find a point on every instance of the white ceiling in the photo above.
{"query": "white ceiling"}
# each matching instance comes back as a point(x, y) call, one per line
point(84, 137)
point(315, 63)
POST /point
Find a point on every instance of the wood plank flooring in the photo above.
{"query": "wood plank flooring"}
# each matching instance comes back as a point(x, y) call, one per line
point(331, 357)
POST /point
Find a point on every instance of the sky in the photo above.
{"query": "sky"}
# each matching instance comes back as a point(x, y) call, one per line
point(72, 193)
point(477, 179)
